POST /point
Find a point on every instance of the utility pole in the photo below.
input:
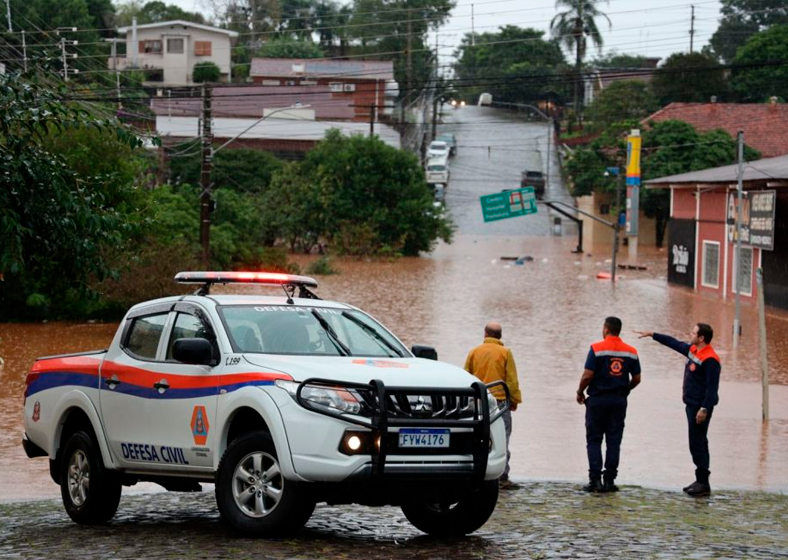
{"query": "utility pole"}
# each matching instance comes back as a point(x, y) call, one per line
point(692, 29)
point(434, 116)
point(764, 357)
point(616, 228)
point(739, 196)
point(473, 29)
point(24, 51)
point(8, 12)
point(206, 200)
point(410, 55)
point(65, 59)
point(117, 89)
point(372, 112)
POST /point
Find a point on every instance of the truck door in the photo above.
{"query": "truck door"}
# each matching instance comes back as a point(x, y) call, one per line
point(182, 412)
point(127, 375)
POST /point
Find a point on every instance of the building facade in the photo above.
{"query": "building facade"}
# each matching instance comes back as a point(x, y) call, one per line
point(368, 86)
point(167, 51)
point(702, 232)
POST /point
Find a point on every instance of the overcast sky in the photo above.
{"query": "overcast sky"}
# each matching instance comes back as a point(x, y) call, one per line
point(646, 27)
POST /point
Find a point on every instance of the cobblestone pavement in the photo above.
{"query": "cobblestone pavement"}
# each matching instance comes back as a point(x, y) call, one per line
point(536, 520)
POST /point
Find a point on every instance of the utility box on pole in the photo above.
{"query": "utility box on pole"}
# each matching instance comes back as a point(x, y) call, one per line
point(633, 192)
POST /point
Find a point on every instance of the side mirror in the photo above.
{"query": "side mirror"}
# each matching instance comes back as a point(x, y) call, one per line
point(426, 352)
point(197, 351)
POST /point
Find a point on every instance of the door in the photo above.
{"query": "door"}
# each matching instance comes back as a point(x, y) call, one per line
point(182, 411)
point(127, 374)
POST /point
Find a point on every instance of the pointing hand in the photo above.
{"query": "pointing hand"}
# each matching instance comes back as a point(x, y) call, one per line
point(644, 334)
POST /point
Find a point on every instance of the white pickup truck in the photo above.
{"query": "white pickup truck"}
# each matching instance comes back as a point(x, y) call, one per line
point(281, 401)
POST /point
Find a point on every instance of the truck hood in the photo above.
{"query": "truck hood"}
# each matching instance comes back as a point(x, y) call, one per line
point(407, 372)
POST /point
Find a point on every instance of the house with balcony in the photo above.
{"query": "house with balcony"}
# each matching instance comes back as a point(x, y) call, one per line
point(167, 51)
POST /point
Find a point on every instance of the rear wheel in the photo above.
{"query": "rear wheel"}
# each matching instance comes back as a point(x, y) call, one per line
point(252, 493)
point(91, 493)
point(454, 518)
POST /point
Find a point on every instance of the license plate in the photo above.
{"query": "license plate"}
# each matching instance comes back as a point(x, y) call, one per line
point(424, 438)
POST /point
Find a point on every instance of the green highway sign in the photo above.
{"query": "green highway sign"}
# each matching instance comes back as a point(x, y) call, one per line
point(508, 204)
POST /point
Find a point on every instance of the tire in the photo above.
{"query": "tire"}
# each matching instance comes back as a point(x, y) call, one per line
point(455, 519)
point(252, 494)
point(91, 492)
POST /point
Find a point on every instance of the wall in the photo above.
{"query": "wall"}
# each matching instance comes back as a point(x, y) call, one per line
point(595, 233)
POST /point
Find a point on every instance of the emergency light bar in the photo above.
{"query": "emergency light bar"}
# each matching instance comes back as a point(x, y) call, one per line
point(288, 282)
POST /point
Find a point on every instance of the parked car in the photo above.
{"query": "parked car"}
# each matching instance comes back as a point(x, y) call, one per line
point(437, 149)
point(438, 171)
point(534, 179)
point(282, 401)
point(450, 140)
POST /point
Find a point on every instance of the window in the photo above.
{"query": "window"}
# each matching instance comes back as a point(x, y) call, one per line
point(202, 48)
point(186, 326)
point(746, 271)
point(144, 335)
point(711, 264)
point(175, 46)
point(150, 47)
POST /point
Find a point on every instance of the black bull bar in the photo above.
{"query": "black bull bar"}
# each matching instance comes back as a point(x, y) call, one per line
point(384, 413)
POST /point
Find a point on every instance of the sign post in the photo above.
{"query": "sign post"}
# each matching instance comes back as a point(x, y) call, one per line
point(508, 204)
point(633, 191)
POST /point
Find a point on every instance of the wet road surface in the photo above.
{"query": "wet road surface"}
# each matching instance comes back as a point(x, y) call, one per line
point(536, 521)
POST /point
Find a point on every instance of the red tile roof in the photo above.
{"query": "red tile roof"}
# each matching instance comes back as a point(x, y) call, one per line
point(250, 101)
point(765, 125)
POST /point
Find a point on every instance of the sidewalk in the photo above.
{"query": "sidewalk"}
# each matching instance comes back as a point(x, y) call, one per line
point(535, 520)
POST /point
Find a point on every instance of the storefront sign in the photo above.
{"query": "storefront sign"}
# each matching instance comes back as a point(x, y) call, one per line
point(681, 259)
point(761, 226)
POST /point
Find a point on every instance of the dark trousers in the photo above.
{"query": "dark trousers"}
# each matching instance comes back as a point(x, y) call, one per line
point(604, 420)
point(699, 443)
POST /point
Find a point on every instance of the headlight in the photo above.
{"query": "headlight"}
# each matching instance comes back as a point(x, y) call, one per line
point(337, 398)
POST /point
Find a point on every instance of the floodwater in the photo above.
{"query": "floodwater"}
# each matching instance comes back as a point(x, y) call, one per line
point(551, 308)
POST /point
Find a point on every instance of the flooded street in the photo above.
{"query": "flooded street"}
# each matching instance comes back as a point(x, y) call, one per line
point(551, 309)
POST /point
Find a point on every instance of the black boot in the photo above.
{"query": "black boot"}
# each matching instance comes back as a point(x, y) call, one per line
point(610, 485)
point(594, 485)
point(701, 485)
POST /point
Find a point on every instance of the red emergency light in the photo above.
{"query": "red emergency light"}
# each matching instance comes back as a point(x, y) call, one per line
point(262, 278)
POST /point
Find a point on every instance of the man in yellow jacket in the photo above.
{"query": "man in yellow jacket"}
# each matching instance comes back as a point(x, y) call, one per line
point(492, 361)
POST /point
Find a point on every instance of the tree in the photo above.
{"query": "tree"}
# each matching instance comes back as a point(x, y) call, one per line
point(573, 28)
point(691, 77)
point(514, 64)
point(290, 48)
point(621, 100)
point(762, 71)
point(618, 60)
point(206, 71)
point(56, 222)
point(361, 195)
point(153, 12)
point(743, 18)
point(237, 169)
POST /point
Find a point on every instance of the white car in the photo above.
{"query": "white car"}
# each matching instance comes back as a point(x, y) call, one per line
point(438, 149)
point(283, 401)
point(437, 171)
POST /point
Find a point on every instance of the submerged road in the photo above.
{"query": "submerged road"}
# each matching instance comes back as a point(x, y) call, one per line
point(493, 147)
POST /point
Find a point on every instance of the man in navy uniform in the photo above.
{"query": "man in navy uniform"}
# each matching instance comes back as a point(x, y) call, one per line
point(611, 371)
point(701, 383)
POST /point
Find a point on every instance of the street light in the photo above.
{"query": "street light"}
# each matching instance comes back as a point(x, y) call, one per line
point(261, 119)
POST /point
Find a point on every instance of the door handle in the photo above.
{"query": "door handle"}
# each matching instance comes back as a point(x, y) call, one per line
point(112, 382)
point(161, 386)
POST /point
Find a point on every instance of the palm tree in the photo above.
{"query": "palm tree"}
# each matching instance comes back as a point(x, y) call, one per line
point(573, 27)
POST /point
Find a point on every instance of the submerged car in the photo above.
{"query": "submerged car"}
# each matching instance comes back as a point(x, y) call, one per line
point(283, 401)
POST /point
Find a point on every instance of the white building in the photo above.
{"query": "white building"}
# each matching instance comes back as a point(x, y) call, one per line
point(173, 48)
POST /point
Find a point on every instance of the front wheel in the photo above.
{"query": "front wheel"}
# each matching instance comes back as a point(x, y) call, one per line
point(252, 493)
point(445, 519)
point(90, 492)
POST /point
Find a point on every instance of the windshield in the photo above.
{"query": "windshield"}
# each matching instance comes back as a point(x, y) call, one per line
point(436, 168)
point(438, 147)
point(312, 331)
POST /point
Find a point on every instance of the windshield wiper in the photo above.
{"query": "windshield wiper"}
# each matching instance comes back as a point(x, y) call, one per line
point(332, 335)
point(378, 337)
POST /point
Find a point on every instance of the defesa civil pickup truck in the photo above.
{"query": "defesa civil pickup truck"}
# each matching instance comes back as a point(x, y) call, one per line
point(283, 401)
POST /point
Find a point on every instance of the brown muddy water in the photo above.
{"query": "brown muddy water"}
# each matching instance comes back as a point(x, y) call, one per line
point(551, 309)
